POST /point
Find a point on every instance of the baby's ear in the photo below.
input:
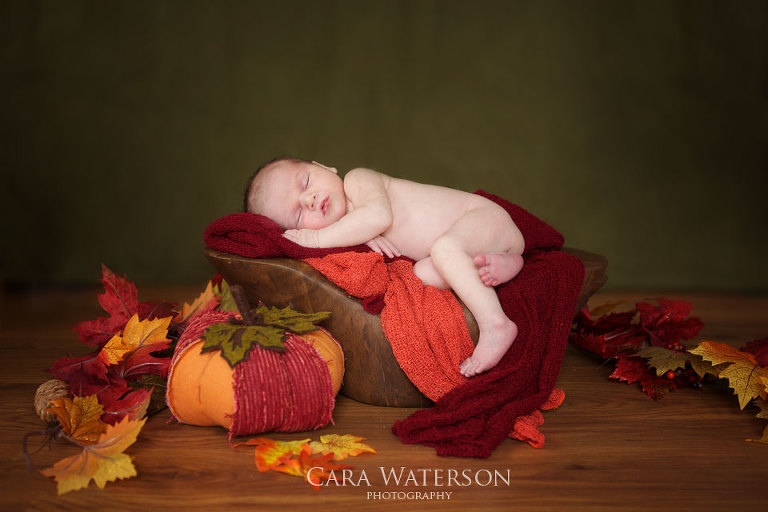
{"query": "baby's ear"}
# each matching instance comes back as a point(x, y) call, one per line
point(332, 169)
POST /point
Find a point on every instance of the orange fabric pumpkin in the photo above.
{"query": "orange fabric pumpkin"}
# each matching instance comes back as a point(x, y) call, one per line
point(201, 387)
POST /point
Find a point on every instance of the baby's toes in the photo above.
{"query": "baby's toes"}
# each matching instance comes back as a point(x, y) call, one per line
point(480, 260)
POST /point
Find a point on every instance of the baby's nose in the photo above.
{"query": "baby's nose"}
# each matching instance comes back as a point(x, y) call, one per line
point(310, 200)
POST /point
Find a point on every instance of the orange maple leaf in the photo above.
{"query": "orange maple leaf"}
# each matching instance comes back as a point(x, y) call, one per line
point(79, 418)
point(101, 462)
point(135, 335)
point(206, 301)
point(341, 446)
point(745, 376)
point(270, 453)
point(314, 470)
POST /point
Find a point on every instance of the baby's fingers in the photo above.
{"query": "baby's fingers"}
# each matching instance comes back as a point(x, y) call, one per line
point(292, 235)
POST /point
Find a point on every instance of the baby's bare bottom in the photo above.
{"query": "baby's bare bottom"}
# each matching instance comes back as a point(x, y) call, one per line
point(484, 237)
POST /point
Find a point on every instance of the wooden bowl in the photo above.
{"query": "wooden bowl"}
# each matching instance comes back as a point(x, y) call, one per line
point(372, 374)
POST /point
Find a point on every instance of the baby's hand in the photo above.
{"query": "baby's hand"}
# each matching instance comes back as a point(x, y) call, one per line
point(304, 237)
point(383, 246)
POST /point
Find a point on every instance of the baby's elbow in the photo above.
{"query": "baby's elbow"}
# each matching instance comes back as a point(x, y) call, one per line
point(382, 221)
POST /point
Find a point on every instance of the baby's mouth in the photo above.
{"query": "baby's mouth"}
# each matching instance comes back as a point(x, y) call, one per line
point(324, 206)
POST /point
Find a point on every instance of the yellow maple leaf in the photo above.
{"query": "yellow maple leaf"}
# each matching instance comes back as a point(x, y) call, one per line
point(136, 334)
point(745, 376)
point(205, 301)
point(341, 447)
point(79, 418)
point(101, 462)
point(663, 359)
point(763, 414)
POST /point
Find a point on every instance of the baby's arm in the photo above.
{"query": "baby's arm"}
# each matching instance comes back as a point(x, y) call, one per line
point(368, 214)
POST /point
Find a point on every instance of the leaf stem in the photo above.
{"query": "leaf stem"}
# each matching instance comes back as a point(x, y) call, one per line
point(241, 301)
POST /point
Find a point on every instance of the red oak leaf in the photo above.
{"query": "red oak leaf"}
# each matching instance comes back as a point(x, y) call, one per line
point(631, 368)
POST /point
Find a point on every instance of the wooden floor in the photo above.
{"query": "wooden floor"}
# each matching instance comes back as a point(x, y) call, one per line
point(609, 447)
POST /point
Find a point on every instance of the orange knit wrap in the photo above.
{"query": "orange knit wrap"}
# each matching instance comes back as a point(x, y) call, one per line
point(424, 325)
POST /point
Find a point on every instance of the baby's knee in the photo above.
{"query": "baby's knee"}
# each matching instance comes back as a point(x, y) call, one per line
point(444, 247)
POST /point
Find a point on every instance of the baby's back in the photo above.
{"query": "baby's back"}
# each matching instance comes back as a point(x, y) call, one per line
point(421, 213)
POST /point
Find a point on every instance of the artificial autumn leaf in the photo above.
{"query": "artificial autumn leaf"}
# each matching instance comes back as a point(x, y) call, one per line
point(663, 359)
point(763, 414)
point(142, 361)
point(68, 368)
point(136, 334)
point(745, 376)
point(341, 446)
point(134, 405)
point(269, 453)
point(288, 319)
point(631, 369)
point(606, 333)
point(206, 301)
point(759, 349)
point(669, 322)
point(318, 469)
point(226, 300)
point(101, 462)
point(120, 300)
point(79, 418)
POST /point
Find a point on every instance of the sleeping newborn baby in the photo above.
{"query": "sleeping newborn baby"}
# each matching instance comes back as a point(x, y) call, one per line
point(459, 240)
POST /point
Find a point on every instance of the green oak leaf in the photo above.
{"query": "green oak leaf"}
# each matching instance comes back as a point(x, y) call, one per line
point(289, 319)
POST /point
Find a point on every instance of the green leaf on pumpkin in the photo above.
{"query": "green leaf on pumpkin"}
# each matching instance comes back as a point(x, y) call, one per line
point(235, 339)
point(289, 319)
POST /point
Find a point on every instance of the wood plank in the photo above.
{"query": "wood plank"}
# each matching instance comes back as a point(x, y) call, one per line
point(608, 447)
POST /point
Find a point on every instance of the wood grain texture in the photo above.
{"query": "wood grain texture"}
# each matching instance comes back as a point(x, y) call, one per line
point(608, 448)
point(372, 375)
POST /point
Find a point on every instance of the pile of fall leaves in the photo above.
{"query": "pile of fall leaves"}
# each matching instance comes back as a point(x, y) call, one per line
point(123, 381)
point(646, 343)
point(103, 399)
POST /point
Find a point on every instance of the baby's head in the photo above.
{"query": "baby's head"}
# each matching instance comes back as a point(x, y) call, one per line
point(296, 194)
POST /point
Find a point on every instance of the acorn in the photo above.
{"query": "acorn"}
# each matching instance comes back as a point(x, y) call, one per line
point(47, 392)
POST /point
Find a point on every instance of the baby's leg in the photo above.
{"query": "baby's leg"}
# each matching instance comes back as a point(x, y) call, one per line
point(496, 268)
point(480, 231)
point(426, 271)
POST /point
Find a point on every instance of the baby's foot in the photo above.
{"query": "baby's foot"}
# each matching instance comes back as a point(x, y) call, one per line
point(496, 268)
point(493, 344)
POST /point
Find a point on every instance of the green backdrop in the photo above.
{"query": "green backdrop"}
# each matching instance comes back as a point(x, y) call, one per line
point(637, 128)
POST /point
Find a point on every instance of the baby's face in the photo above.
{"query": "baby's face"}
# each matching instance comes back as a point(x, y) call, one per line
point(302, 195)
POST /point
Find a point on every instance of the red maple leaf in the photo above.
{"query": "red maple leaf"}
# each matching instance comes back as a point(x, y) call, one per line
point(608, 334)
point(134, 404)
point(142, 362)
point(69, 368)
point(631, 368)
point(120, 300)
point(668, 322)
point(759, 349)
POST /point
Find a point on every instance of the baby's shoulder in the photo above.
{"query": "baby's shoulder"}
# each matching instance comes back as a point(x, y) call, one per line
point(362, 177)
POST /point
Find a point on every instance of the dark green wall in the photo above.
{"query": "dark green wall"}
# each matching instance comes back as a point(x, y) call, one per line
point(638, 128)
